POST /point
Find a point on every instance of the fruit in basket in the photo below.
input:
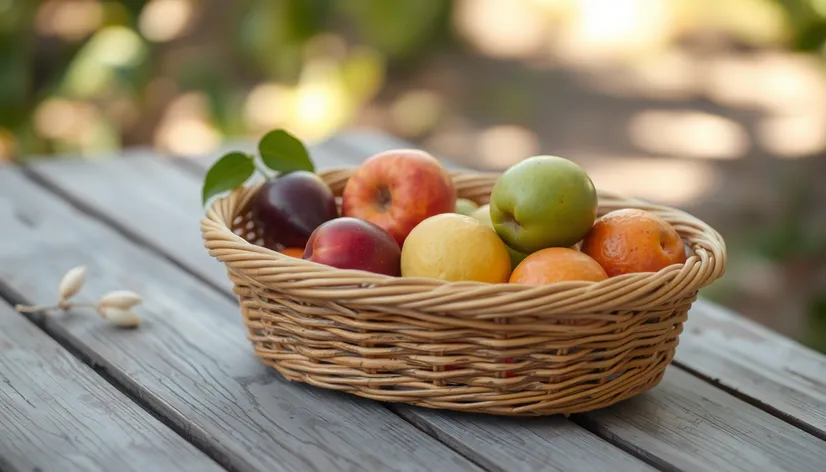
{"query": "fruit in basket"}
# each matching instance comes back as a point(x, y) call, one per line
point(397, 190)
point(351, 243)
point(455, 247)
point(465, 207)
point(557, 264)
point(541, 202)
point(288, 208)
point(297, 252)
point(483, 215)
point(633, 240)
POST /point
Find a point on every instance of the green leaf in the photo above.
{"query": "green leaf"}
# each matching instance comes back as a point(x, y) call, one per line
point(229, 172)
point(283, 152)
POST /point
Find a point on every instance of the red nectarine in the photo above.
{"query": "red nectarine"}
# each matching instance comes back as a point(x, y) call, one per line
point(350, 243)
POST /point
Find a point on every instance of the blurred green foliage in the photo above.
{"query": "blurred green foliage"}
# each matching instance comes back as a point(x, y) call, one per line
point(233, 46)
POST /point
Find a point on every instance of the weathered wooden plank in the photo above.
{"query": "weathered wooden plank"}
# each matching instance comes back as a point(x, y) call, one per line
point(682, 424)
point(759, 365)
point(511, 444)
point(151, 185)
point(687, 424)
point(559, 445)
point(190, 362)
point(770, 370)
point(57, 414)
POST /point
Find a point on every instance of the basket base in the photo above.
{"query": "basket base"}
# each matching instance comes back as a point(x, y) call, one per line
point(491, 401)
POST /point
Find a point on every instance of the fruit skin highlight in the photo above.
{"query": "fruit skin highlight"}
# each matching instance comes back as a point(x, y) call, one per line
point(288, 208)
point(632, 240)
point(541, 202)
point(455, 247)
point(350, 243)
point(397, 190)
point(557, 264)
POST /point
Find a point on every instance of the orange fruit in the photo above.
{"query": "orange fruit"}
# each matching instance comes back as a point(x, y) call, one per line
point(557, 264)
point(631, 240)
point(297, 252)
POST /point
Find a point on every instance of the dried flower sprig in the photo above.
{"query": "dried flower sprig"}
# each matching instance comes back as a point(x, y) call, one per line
point(115, 307)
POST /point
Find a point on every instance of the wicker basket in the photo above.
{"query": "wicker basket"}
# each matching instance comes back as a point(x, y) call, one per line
point(492, 348)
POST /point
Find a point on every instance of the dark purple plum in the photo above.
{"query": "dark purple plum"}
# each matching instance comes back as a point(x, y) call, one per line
point(288, 208)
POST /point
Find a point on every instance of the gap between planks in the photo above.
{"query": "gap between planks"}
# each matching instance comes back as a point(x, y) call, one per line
point(38, 320)
point(80, 408)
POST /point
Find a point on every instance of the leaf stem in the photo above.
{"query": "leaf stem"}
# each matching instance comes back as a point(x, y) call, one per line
point(64, 305)
point(86, 304)
point(34, 309)
point(262, 170)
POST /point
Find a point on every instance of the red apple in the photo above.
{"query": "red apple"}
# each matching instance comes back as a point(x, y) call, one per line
point(350, 243)
point(397, 190)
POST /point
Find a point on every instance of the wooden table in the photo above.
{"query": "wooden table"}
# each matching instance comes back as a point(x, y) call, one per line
point(185, 391)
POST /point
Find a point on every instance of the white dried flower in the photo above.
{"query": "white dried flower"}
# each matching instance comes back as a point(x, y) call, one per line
point(121, 317)
point(123, 299)
point(72, 282)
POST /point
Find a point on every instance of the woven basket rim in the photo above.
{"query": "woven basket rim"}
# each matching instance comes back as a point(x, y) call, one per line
point(216, 231)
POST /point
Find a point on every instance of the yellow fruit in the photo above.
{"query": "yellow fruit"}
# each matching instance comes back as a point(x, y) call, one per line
point(455, 247)
point(483, 215)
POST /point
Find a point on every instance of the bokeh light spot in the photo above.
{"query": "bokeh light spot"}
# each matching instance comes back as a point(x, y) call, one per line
point(501, 28)
point(268, 105)
point(794, 136)
point(504, 145)
point(688, 134)
point(165, 20)
point(670, 182)
point(416, 112)
point(68, 19)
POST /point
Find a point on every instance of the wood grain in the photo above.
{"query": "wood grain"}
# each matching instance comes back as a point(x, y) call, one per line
point(758, 365)
point(510, 444)
point(57, 414)
point(770, 370)
point(685, 424)
point(190, 362)
point(560, 445)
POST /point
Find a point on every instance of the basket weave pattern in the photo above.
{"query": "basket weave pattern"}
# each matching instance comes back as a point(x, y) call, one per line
point(493, 348)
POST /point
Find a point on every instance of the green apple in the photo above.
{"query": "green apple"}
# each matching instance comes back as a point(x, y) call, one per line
point(482, 214)
point(543, 201)
point(465, 207)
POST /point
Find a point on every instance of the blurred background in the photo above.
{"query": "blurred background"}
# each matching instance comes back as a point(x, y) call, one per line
point(717, 107)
